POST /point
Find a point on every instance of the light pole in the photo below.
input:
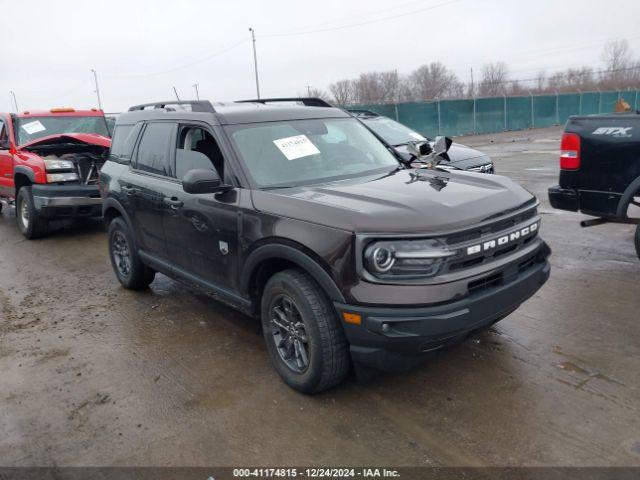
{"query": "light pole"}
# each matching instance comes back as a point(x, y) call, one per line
point(255, 61)
point(195, 85)
point(13, 96)
point(95, 78)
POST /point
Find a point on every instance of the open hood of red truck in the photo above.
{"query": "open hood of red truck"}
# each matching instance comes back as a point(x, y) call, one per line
point(88, 138)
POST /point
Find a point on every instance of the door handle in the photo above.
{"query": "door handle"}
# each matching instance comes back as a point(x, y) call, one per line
point(173, 202)
point(130, 190)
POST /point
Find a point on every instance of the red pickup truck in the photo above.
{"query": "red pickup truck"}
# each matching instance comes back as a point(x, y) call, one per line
point(49, 165)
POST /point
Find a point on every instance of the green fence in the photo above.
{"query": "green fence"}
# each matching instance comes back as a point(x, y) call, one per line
point(497, 114)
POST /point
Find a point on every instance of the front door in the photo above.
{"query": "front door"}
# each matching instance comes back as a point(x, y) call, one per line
point(201, 229)
point(6, 161)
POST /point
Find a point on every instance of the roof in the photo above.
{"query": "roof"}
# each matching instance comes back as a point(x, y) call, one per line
point(232, 113)
point(227, 113)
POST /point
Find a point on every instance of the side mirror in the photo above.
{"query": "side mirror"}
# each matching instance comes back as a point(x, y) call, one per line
point(202, 180)
point(441, 145)
point(425, 148)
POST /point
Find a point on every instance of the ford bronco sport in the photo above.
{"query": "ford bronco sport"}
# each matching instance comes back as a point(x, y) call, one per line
point(301, 217)
point(49, 164)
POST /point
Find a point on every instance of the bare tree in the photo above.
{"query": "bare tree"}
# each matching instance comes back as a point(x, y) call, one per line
point(389, 83)
point(494, 81)
point(376, 87)
point(317, 93)
point(618, 63)
point(434, 81)
point(343, 92)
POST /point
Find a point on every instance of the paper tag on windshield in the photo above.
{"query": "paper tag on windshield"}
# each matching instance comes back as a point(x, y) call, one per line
point(296, 147)
point(33, 127)
point(417, 136)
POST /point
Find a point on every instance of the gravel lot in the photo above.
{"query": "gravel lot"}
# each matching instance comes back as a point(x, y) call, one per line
point(92, 374)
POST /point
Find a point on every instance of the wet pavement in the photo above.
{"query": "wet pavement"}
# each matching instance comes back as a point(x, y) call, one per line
point(92, 374)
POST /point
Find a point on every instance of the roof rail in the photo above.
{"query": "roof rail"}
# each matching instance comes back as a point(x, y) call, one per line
point(196, 105)
point(306, 101)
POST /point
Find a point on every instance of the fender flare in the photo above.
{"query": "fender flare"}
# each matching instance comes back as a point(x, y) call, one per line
point(113, 203)
point(286, 252)
point(21, 169)
point(627, 196)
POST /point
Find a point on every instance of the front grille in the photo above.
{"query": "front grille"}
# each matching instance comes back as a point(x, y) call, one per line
point(502, 277)
point(495, 227)
point(487, 239)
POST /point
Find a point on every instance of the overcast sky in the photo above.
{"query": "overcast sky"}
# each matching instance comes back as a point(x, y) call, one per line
point(141, 48)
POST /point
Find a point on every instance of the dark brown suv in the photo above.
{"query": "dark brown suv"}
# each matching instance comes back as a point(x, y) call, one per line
point(302, 217)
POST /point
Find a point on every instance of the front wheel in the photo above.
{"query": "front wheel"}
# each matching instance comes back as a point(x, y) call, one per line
point(29, 221)
point(305, 340)
point(638, 240)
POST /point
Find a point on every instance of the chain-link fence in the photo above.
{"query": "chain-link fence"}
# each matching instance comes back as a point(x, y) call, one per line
point(497, 114)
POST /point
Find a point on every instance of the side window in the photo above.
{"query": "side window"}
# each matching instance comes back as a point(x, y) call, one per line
point(197, 149)
point(123, 139)
point(153, 150)
point(4, 135)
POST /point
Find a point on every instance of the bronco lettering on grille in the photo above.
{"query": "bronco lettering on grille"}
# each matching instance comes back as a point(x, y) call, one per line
point(502, 240)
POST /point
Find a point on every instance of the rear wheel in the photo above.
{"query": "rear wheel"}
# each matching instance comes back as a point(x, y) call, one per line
point(129, 269)
point(304, 337)
point(30, 223)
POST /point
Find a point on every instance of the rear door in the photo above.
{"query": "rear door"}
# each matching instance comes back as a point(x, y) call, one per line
point(144, 186)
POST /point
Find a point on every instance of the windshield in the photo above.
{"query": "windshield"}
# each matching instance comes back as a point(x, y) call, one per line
point(32, 128)
point(392, 132)
point(299, 152)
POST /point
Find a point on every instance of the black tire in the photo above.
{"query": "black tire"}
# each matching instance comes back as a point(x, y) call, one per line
point(326, 348)
point(30, 223)
point(638, 241)
point(126, 263)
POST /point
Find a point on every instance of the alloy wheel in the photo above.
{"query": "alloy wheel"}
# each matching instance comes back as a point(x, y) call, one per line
point(121, 253)
point(289, 334)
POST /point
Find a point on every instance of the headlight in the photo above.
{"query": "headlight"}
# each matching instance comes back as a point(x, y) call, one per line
point(61, 177)
point(405, 258)
point(54, 165)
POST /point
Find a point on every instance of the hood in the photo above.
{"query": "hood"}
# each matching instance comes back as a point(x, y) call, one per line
point(87, 138)
point(398, 202)
point(459, 155)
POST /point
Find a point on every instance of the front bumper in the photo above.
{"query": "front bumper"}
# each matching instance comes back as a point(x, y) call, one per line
point(564, 198)
point(67, 201)
point(396, 339)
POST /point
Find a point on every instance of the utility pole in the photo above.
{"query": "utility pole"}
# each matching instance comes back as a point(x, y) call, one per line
point(97, 90)
point(255, 61)
point(473, 91)
point(15, 102)
point(176, 92)
point(308, 90)
point(195, 85)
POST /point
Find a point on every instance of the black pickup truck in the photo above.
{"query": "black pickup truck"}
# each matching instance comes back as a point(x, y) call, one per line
point(600, 169)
